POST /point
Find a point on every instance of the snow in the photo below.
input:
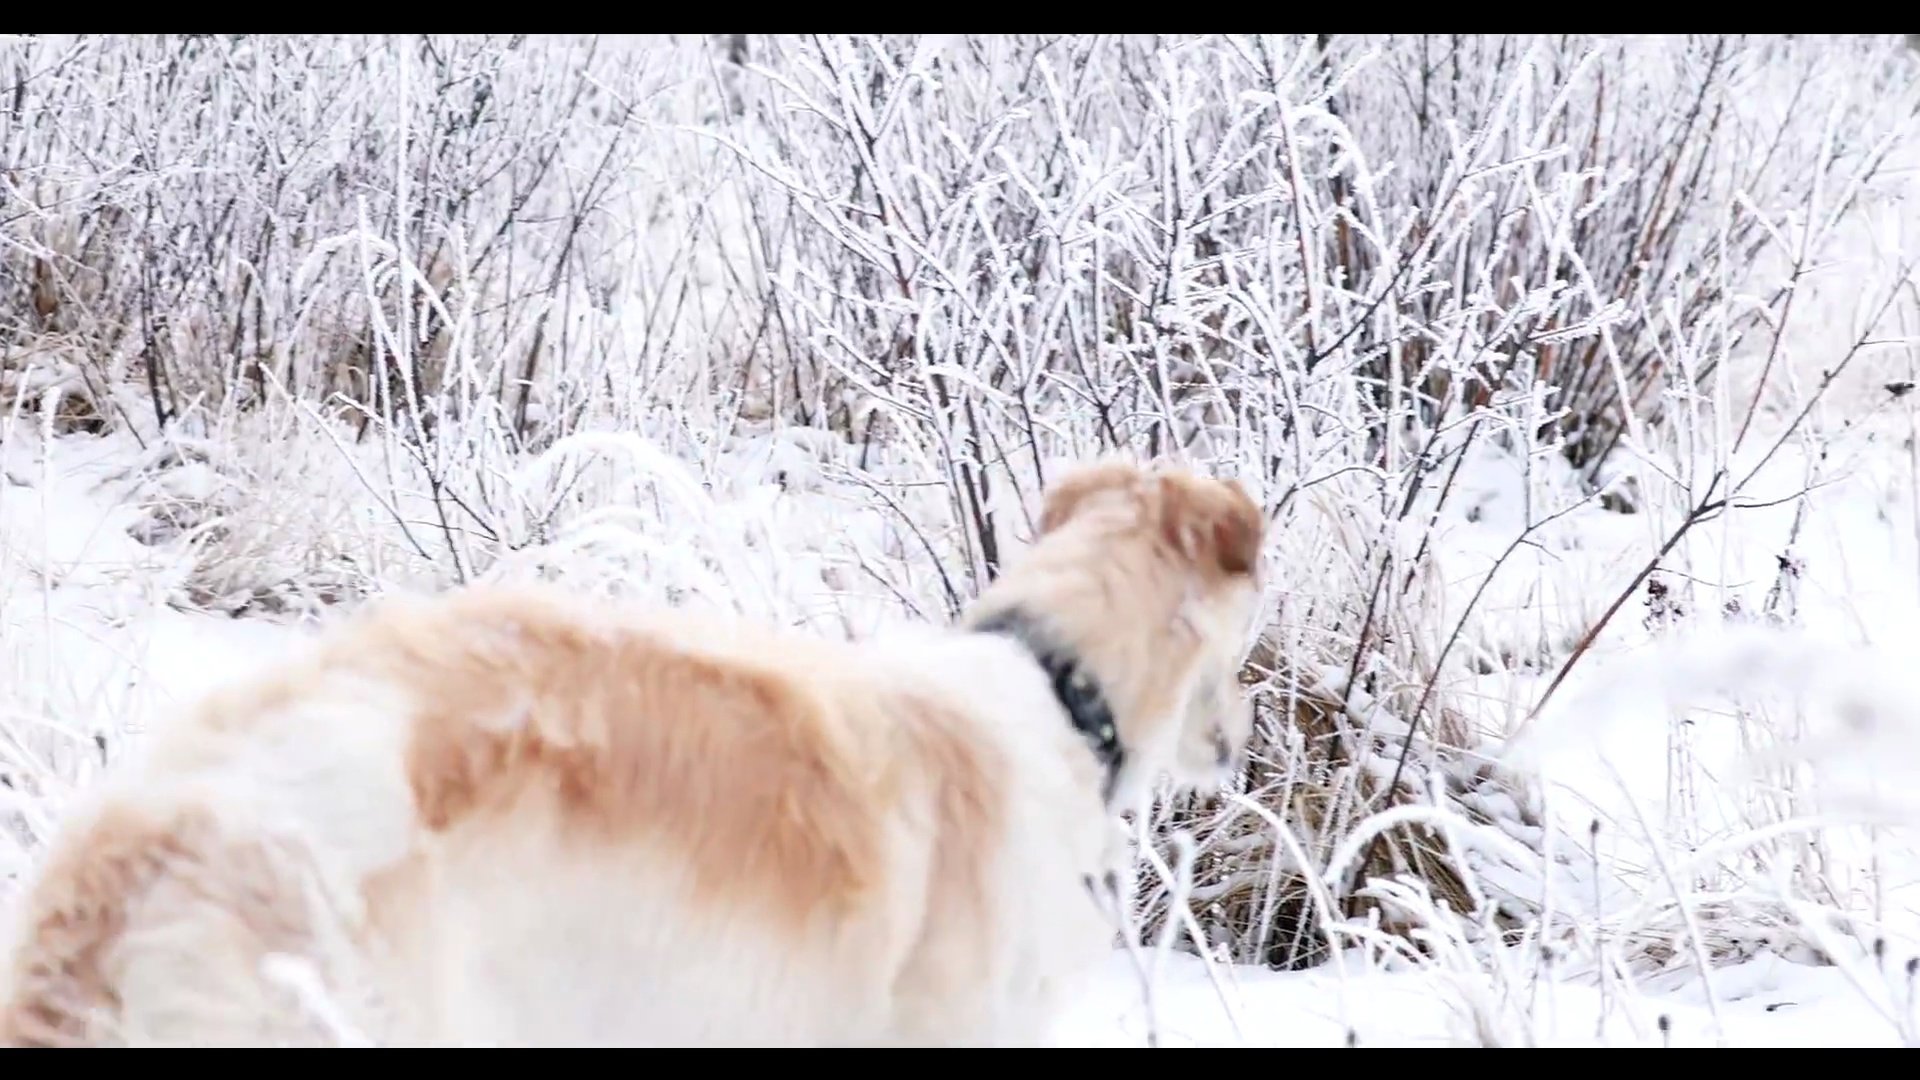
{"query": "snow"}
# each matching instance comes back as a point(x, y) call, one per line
point(1764, 1002)
point(94, 649)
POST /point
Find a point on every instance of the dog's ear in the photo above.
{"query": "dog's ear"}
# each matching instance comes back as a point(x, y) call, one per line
point(1067, 496)
point(1212, 523)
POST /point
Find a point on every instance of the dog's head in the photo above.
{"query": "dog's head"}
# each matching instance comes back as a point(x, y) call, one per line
point(1152, 576)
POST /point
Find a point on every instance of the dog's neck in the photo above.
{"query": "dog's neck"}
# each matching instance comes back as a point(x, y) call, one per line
point(1074, 686)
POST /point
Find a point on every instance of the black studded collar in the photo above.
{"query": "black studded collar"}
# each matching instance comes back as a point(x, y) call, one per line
point(1078, 691)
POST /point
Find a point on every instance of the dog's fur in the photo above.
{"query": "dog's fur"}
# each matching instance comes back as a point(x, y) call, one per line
point(504, 817)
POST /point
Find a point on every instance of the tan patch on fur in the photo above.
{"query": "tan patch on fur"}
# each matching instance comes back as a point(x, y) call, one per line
point(968, 803)
point(81, 909)
point(61, 987)
point(743, 770)
point(393, 890)
point(1215, 523)
point(957, 931)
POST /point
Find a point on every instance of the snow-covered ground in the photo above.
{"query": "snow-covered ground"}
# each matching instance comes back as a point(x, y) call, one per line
point(98, 635)
point(1762, 1002)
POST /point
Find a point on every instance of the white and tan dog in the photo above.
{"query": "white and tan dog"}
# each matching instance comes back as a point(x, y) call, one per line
point(508, 817)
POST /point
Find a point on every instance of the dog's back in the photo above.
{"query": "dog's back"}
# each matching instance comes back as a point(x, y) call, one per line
point(497, 819)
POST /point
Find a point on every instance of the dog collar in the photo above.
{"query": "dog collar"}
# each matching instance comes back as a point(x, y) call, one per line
point(1077, 691)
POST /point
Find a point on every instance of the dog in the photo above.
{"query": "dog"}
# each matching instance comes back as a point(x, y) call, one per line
point(509, 816)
